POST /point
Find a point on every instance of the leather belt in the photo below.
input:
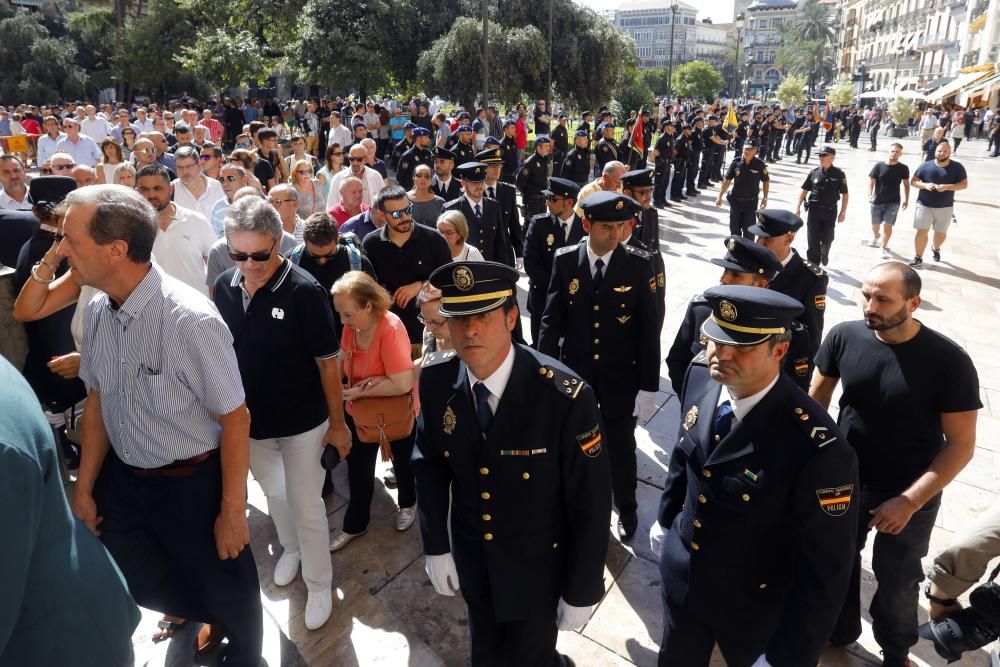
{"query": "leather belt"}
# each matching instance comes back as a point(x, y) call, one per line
point(182, 468)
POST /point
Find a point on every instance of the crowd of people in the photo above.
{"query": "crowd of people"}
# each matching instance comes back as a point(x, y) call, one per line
point(276, 289)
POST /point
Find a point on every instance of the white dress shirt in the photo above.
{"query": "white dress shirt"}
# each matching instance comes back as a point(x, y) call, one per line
point(496, 382)
point(743, 406)
point(593, 257)
point(371, 184)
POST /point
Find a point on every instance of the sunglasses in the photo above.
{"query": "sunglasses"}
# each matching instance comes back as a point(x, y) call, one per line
point(356, 159)
point(279, 202)
point(229, 179)
point(143, 151)
point(396, 215)
point(340, 154)
point(63, 167)
point(261, 256)
point(304, 172)
point(206, 158)
point(329, 255)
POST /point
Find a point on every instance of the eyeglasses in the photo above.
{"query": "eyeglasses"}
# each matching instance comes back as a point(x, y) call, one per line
point(206, 158)
point(63, 167)
point(329, 255)
point(229, 179)
point(279, 202)
point(356, 159)
point(261, 256)
point(143, 151)
point(304, 172)
point(430, 323)
point(396, 215)
point(340, 154)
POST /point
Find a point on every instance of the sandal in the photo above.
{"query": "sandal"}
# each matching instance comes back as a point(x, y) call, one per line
point(165, 628)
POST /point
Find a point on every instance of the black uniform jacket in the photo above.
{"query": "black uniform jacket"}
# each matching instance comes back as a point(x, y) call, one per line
point(806, 283)
point(490, 236)
point(453, 192)
point(506, 196)
point(541, 241)
point(533, 176)
point(530, 500)
point(576, 165)
point(760, 526)
point(611, 337)
point(659, 272)
point(411, 159)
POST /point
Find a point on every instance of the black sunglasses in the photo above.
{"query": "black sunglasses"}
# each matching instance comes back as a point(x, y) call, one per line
point(329, 255)
point(261, 256)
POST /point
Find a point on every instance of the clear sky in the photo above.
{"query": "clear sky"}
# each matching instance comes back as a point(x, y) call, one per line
point(720, 11)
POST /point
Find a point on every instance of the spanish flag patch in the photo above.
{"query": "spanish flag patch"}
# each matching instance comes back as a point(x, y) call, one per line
point(590, 442)
point(836, 500)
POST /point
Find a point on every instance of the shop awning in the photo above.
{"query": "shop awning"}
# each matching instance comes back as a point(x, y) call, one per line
point(958, 84)
point(937, 83)
point(982, 87)
point(27, 3)
point(978, 23)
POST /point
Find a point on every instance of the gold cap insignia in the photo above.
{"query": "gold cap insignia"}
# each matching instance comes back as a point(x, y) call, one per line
point(574, 285)
point(731, 244)
point(727, 310)
point(691, 418)
point(619, 205)
point(462, 278)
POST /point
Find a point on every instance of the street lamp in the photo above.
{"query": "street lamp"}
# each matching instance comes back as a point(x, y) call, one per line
point(749, 73)
point(895, 71)
point(674, 6)
point(740, 18)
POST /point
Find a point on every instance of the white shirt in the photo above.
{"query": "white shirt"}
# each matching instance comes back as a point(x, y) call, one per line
point(145, 125)
point(497, 382)
point(97, 129)
point(743, 406)
point(787, 259)
point(593, 257)
point(371, 185)
point(11, 204)
point(84, 151)
point(203, 204)
point(341, 135)
point(474, 204)
point(181, 249)
point(47, 147)
point(567, 224)
point(469, 253)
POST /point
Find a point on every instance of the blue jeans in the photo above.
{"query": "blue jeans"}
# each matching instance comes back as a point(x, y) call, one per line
point(884, 214)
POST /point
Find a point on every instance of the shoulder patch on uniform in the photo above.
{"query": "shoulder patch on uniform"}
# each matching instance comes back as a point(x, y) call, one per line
point(835, 500)
point(566, 383)
point(818, 434)
point(435, 358)
point(801, 366)
point(638, 252)
point(590, 442)
point(815, 268)
point(820, 301)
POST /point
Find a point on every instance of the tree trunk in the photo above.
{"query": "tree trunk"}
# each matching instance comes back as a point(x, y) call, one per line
point(363, 91)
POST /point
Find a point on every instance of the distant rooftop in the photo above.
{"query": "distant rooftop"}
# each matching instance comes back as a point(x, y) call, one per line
point(636, 5)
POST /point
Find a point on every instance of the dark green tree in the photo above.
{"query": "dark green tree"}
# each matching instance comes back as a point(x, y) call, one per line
point(631, 94)
point(697, 79)
point(34, 66)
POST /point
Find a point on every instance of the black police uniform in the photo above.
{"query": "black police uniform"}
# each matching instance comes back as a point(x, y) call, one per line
point(793, 135)
point(745, 193)
point(560, 147)
point(659, 271)
point(647, 227)
point(486, 230)
point(697, 144)
point(682, 151)
point(800, 279)
point(401, 147)
point(410, 160)
point(825, 189)
point(709, 155)
point(661, 166)
point(506, 196)
point(610, 336)
point(508, 149)
point(607, 151)
point(720, 153)
point(740, 135)
point(805, 139)
point(464, 152)
point(759, 518)
point(576, 166)
point(529, 497)
point(777, 136)
point(449, 193)
point(532, 178)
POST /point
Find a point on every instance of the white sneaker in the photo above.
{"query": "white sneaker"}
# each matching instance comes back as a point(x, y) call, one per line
point(318, 608)
point(405, 518)
point(286, 568)
point(342, 539)
point(885, 253)
point(874, 243)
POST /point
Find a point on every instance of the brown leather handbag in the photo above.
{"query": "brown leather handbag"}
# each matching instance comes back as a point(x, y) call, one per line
point(381, 419)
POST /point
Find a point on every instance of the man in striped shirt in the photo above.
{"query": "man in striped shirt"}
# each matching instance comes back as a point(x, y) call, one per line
point(165, 430)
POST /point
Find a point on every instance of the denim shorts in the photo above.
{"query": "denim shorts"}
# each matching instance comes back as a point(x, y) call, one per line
point(884, 214)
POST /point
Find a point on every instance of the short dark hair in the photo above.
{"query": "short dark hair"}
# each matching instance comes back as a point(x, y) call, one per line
point(121, 214)
point(388, 193)
point(154, 169)
point(897, 145)
point(266, 133)
point(321, 229)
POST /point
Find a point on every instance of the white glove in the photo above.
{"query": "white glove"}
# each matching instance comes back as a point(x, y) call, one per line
point(442, 573)
point(519, 263)
point(656, 533)
point(569, 617)
point(761, 661)
point(645, 405)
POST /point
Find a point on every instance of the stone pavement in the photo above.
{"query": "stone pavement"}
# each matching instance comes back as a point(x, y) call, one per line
point(387, 613)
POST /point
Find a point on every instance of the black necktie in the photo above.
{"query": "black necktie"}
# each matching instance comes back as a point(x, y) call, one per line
point(723, 421)
point(490, 193)
point(483, 412)
point(598, 274)
point(479, 213)
point(563, 236)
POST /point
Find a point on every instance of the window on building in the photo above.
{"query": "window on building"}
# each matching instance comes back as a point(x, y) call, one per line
point(661, 35)
point(661, 52)
point(776, 23)
point(761, 23)
point(643, 52)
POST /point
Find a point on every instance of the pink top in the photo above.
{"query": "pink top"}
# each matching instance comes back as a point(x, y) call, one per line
point(341, 216)
point(388, 353)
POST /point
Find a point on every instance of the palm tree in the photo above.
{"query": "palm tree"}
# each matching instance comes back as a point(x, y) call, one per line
point(816, 23)
point(810, 58)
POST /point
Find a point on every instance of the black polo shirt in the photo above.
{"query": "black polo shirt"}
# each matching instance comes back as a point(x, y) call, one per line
point(747, 178)
point(396, 266)
point(278, 336)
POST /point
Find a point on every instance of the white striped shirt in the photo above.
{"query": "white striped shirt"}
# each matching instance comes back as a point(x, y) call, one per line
point(164, 366)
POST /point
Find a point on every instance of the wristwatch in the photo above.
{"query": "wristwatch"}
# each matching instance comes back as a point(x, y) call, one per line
point(949, 602)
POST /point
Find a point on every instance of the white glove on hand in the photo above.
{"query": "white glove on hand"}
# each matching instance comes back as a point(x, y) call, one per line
point(656, 533)
point(645, 405)
point(761, 661)
point(442, 573)
point(519, 263)
point(569, 617)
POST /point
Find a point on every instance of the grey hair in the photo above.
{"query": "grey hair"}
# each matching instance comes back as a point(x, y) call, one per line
point(122, 215)
point(284, 188)
point(188, 153)
point(350, 180)
point(611, 166)
point(253, 214)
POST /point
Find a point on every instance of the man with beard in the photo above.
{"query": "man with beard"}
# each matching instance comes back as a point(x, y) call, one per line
point(533, 177)
point(908, 408)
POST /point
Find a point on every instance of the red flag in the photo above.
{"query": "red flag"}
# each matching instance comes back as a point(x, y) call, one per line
point(636, 141)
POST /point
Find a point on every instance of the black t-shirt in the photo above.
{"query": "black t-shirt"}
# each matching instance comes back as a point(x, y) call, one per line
point(263, 171)
point(887, 180)
point(330, 272)
point(893, 397)
point(541, 127)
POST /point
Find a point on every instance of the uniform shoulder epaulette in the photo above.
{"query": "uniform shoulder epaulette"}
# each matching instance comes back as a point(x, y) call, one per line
point(638, 252)
point(540, 216)
point(815, 268)
point(701, 358)
point(435, 358)
point(565, 249)
point(561, 380)
point(815, 423)
point(698, 298)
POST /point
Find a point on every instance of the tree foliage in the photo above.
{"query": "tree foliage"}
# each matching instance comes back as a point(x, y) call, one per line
point(224, 60)
point(35, 65)
point(815, 23)
point(656, 80)
point(790, 91)
point(840, 95)
point(631, 94)
point(813, 59)
point(697, 79)
point(901, 111)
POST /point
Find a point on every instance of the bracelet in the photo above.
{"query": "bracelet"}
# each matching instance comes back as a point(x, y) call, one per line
point(949, 602)
point(34, 275)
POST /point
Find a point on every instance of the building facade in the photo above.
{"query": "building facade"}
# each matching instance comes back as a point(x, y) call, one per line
point(657, 31)
point(762, 36)
point(711, 42)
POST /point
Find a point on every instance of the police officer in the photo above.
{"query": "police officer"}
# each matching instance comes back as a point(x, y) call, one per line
point(414, 157)
point(601, 320)
point(740, 135)
point(482, 215)
point(509, 444)
point(694, 155)
point(720, 148)
point(560, 144)
point(799, 278)
point(682, 152)
point(824, 185)
point(464, 149)
point(403, 145)
point(576, 165)
point(804, 138)
point(586, 121)
point(757, 522)
point(663, 153)
point(445, 184)
point(547, 233)
point(508, 146)
point(533, 177)
point(745, 263)
point(628, 155)
point(505, 195)
point(778, 128)
point(607, 149)
point(760, 129)
point(712, 139)
point(746, 174)
point(643, 232)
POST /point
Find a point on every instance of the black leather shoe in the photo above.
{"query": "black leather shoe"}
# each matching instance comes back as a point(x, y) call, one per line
point(627, 525)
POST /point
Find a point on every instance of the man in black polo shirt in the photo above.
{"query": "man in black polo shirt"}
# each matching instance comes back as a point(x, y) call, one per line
point(404, 255)
point(883, 194)
point(824, 185)
point(286, 345)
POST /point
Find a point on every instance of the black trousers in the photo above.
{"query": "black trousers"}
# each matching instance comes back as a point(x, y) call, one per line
point(821, 224)
point(790, 139)
point(661, 176)
point(688, 640)
point(619, 433)
point(691, 173)
point(707, 167)
point(529, 642)
point(677, 185)
point(361, 477)
point(160, 533)
point(742, 216)
point(804, 144)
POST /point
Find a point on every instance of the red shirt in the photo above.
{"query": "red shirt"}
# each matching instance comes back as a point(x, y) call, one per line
point(31, 126)
point(520, 134)
point(214, 128)
point(341, 216)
